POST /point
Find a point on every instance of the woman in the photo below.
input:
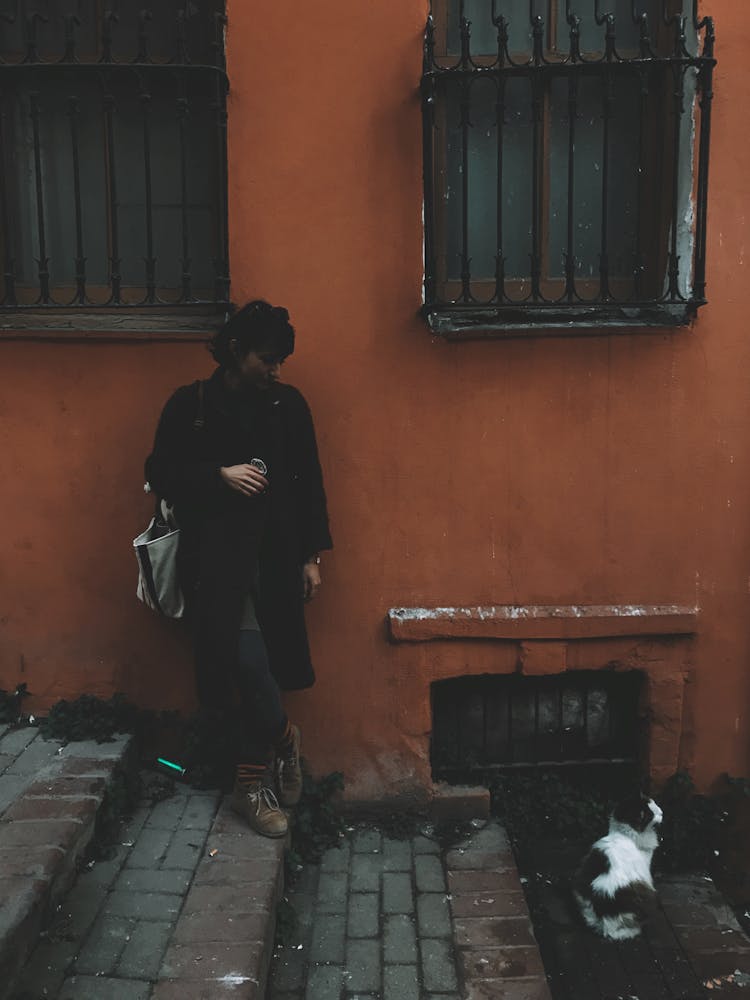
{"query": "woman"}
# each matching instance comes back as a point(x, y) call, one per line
point(236, 456)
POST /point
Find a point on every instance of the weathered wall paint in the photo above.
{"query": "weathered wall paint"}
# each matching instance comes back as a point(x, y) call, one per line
point(585, 470)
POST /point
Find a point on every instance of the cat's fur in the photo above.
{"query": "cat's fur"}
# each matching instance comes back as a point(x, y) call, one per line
point(613, 887)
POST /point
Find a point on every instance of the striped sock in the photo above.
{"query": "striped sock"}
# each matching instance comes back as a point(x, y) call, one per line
point(247, 774)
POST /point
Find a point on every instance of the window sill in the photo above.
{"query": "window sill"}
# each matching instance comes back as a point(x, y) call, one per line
point(472, 322)
point(122, 324)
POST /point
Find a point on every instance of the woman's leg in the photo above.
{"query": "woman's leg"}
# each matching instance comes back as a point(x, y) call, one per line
point(259, 722)
point(266, 726)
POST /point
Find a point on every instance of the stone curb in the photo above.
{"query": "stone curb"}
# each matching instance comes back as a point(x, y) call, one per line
point(223, 940)
point(498, 956)
point(44, 831)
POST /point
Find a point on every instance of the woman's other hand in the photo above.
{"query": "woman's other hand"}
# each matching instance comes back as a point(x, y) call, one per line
point(311, 578)
point(244, 478)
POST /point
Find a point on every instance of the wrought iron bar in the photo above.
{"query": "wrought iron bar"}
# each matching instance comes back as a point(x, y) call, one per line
point(144, 17)
point(221, 265)
point(9, 277)
point(574, 24)
point(109, 19)
point(500, 126)
point(32, 49)
point(183, 115)
point(638, 265)
point(428, 131)
point(72, 21)
point(465, 125)
point(80, 259)
point(42, 260)
point(607, 100)
point(570, 260)
point(149, 259)
point(537, 102)
point(705, 83)
point(114, 230)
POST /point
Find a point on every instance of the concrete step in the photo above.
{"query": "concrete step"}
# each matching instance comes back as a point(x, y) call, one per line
point(50, 796)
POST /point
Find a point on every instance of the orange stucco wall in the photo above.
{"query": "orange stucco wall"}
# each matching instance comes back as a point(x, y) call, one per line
point(584, 470)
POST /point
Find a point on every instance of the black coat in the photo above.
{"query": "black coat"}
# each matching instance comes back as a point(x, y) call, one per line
point(231, 544)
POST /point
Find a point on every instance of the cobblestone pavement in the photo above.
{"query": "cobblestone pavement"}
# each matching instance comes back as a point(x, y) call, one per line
point(109, 936)
point(374, 921)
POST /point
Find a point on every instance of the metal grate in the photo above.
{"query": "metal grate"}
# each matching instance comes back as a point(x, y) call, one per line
point(499, 723)
point(564, 182)
point(113, 153)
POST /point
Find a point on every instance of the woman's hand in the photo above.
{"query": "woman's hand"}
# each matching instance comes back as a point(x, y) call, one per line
point(244, 478)
point(311, 578)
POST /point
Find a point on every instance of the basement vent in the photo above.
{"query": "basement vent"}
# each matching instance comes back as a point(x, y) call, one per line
point(503, 723)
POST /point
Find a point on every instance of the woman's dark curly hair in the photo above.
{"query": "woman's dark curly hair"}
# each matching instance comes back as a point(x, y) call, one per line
point(258, 326)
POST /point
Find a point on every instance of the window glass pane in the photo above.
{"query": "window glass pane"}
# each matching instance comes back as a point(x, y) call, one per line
point(482, 179)
point(587, 205)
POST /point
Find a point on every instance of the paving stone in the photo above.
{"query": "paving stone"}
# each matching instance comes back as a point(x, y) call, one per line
point(289, 971)
point(149, 849)
point(79, 809)
point(429, 873)
point(485, 880)
point(366, 871)
point(215, 961)
point(79, 909)
point(396, 855)
point(131, 828)
point(328, 938)
point(199, 812)
point(104, 945)
point(50, 963)
point(5, 761)
point(37, 862)
point(34, 757)
point(424, 845)
point(185, 850)
point(110, 750)
point(166, 815)
point(397, 893)
point(399, 939)
point(363, 914)
point(433, 915)
point(400, 982)
point(226, 871)
point(493, 932)
point(143, 953)
point(174, 880)
point(336, 859)
point(367, 841)
point(491, 837)
point(363, 965)
point(492, 903)
point(70, 834)
point(15, 741)
point(99, 987)
point(11, 787)
point(462, 858)
point(232, 928)
point(501, 963)
point(499, 989)
point(324, 982)
point(142, 905)
point(438, 967)
point(332, 892)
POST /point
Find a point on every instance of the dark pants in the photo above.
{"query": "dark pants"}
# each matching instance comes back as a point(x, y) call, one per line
point(260, 721)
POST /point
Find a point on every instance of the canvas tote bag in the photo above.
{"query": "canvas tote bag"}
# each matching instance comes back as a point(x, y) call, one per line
point(156, 552)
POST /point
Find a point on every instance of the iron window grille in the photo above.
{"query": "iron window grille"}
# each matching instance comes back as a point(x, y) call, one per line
point(113, 154)
point(566, 157)
point(490, 723)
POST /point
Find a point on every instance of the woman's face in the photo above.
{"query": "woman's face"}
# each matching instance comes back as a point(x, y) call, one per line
point(259, 369)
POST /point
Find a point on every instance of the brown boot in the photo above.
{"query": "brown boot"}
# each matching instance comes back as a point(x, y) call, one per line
point(258, 805)
point(289, 772)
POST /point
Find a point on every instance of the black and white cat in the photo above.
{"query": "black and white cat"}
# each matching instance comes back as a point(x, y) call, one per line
point(613, 887)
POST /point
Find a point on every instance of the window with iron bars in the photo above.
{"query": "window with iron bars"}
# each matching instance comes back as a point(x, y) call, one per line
point(566, 151)
point(112, 154)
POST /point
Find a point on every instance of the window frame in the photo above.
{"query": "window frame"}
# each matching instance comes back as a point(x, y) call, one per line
point(471, 307)
point(35, 304)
